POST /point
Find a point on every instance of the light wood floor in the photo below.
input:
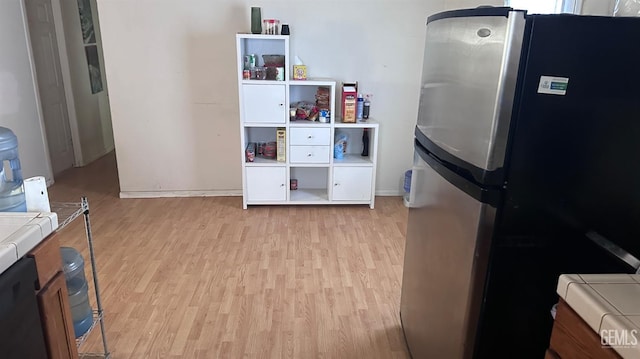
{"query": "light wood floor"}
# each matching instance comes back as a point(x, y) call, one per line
point(202, 278)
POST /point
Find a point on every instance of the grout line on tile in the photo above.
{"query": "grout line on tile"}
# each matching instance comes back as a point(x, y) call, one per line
point(606, 300)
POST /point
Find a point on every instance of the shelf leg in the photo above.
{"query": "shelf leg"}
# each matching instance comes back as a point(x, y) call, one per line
point(87, 225)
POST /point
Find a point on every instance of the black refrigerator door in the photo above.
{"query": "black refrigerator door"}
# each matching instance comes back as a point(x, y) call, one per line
point(576, 145)
point(571, 176)
point(471, 60)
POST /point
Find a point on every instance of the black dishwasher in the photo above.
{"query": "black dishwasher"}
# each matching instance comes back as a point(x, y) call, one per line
point(21, 334)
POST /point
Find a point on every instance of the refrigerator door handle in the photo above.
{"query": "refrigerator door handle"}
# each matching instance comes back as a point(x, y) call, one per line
point(615, 250)
point(482, 194)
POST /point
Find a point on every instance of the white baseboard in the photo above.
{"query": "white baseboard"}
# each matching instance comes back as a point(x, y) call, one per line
point(217, 193)
point(389, 192)
point(163, 194)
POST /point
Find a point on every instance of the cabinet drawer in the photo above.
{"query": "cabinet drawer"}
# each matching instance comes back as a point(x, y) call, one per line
point(309, 154)
point(306, 136)
point(47, 258)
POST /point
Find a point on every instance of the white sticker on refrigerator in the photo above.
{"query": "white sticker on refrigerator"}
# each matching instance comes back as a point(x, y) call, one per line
point(553, 85)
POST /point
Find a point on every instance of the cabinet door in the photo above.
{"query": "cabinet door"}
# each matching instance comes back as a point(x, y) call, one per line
point(264, 103)
point(46, 255)
point(266, 183)
point(352, 183)
point(56, 319)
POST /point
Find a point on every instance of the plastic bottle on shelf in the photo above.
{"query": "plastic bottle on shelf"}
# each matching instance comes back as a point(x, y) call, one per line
point(12, 197)
point(365, 142)
point(359, 106)
point(366, 107)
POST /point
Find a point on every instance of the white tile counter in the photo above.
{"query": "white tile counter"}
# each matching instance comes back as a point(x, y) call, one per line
point(20, 232)
point(609, 304)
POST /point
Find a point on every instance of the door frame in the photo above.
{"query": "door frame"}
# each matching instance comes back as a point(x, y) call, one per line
point(65, 70)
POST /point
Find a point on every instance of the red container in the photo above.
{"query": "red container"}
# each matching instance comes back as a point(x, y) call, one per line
point(269, 150)
point(349, 94)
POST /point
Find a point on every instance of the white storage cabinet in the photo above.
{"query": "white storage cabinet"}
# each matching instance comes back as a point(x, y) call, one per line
point(309, 158)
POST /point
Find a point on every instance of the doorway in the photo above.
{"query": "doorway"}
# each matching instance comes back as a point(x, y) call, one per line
point(46, 56)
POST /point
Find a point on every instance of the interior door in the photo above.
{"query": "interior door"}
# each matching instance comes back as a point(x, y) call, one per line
point(51, 88)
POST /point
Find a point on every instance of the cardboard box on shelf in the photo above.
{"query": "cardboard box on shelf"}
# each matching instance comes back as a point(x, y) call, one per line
point(349, 98)
point(299, 72)
point(281, 144)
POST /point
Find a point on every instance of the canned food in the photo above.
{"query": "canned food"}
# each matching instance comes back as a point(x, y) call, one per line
point(261, 73)
point(324, 116)
point(246, 74)
point(269, 150)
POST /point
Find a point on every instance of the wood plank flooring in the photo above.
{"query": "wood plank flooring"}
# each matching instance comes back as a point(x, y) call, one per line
point(202, 278)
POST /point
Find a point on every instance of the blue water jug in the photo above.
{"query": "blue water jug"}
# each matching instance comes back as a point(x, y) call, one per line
point(81, 312)
point(12, 197)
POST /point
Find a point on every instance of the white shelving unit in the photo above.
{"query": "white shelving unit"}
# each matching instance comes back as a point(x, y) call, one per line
point(67, 213)
point(321, 178)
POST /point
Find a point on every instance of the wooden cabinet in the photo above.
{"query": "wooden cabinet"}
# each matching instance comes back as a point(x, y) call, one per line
point(53, 300)
point(550, 354)
point(56, 318)
point(573, 338)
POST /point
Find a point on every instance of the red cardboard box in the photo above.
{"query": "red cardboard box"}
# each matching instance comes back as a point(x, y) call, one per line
point(349, 98)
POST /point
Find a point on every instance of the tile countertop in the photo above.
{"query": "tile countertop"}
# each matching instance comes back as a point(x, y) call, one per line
point(20, 232)
point(607, 302)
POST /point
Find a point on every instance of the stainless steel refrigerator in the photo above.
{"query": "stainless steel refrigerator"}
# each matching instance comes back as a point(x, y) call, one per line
point(526, 166)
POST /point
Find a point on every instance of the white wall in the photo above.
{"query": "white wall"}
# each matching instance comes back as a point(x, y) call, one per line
point(19, 108)
point(173, 88)
point(92, 116)
point(598, 7)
